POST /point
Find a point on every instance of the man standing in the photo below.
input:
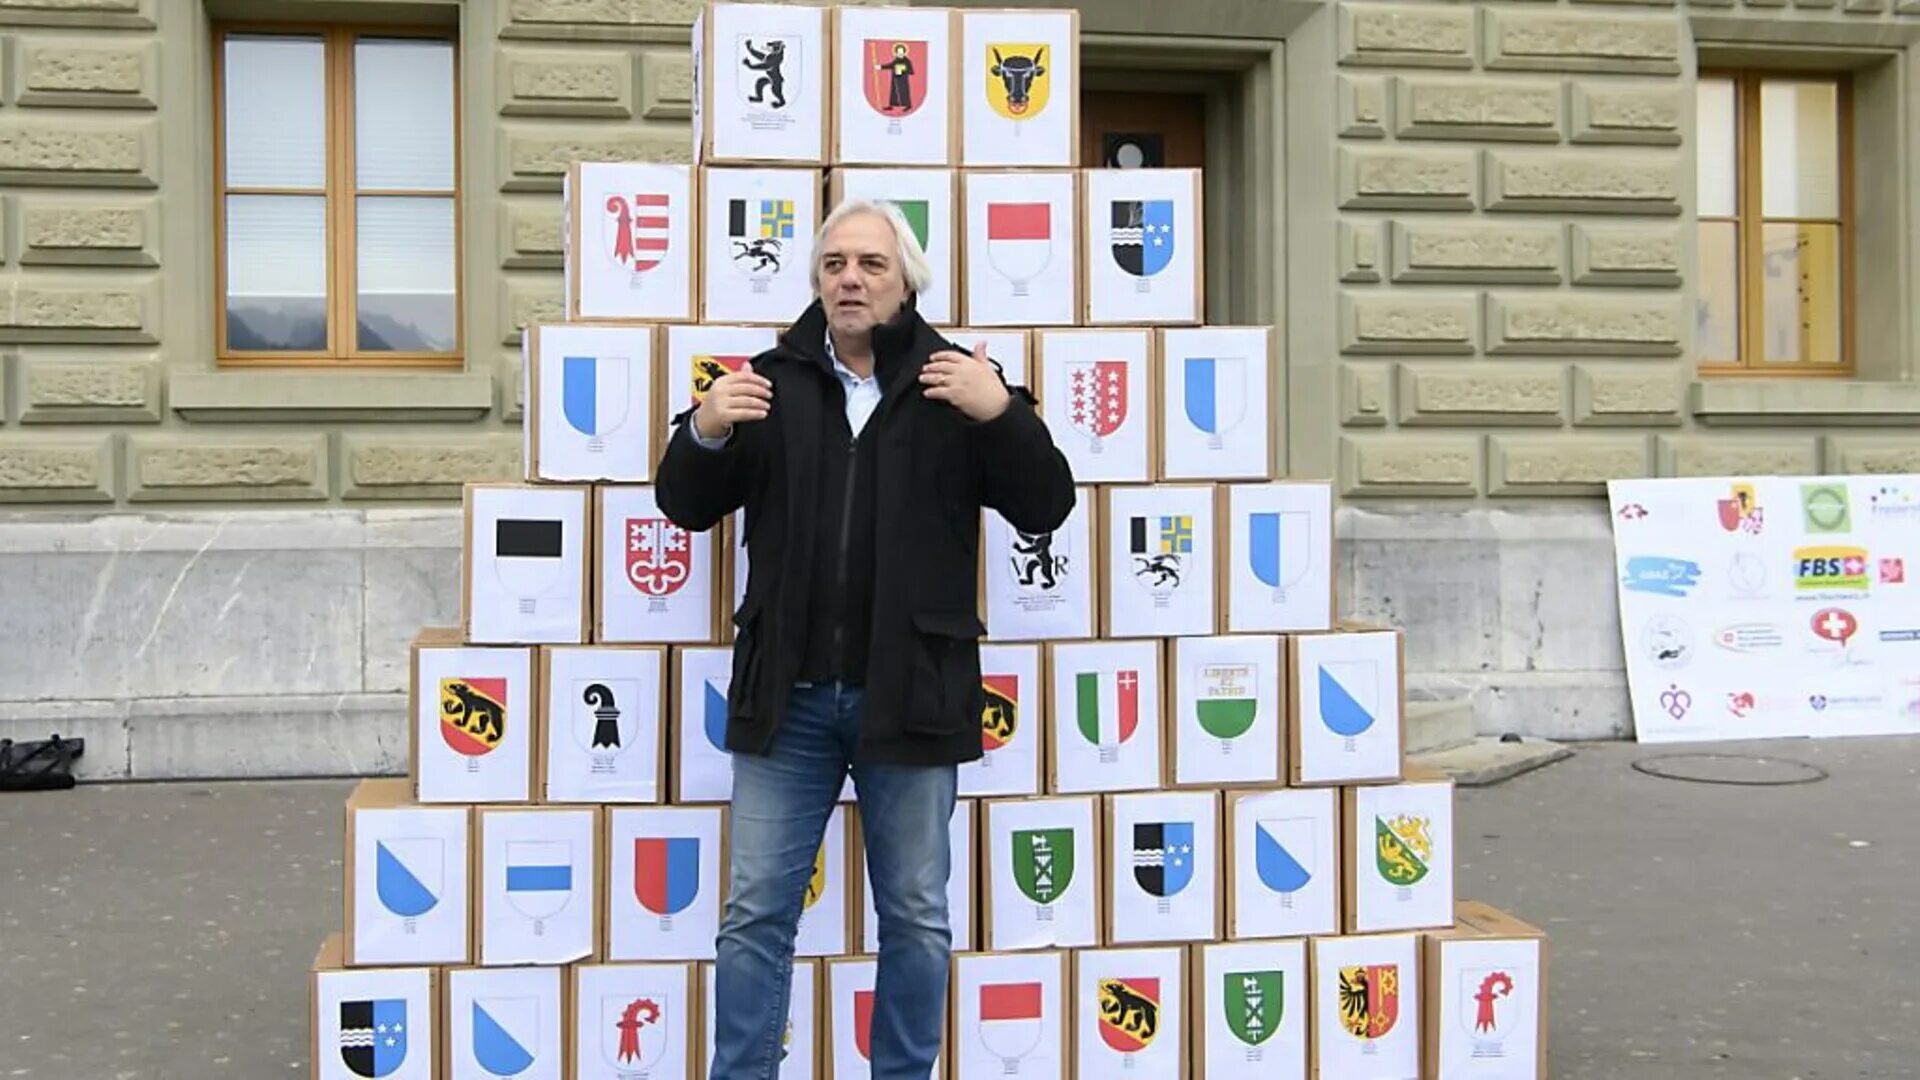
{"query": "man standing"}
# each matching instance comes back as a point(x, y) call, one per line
point(863, 447)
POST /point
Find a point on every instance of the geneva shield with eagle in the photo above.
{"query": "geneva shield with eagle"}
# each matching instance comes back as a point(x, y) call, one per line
point(1129, 1013)
point(1369, 999)
point(896, 82)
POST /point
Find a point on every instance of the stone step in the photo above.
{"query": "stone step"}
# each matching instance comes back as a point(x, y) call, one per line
point(1439, 725)
point(1487, 760)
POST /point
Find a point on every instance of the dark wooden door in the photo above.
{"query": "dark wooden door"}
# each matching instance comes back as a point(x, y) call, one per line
point(1125, 130)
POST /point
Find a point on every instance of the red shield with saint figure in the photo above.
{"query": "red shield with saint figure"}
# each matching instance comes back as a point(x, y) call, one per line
point(896, 76)
point(659, 556)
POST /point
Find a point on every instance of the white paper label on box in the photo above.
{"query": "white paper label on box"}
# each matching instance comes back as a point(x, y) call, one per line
point(664, 875)
point(1402, 856)
point(409, 886)
point(1021, 254)
point(798, 1053)
point(656, 578)
point(632, 1021)
point(1490, 997)
point(703, 769)
point(895, 92)
point(505, 1022)
point(1105, 714)
point(759, 243)
point(1010, 730)
point(1227, 710)
point(1254, 996)
point(959, 886)
point(1042, 874)
point(537, 886)
point(823, 911)
point(1008, 348)
point(1040, 585)
point(698, 355)
point(1143, 245)
point(1165, 863)
point(925, 198)
point(473, 719)
point(1132, 1013)
point(603, 726)
point(1213, 393)
point(630, 241)
point(1286, 863)
point(850, 989)
point(592, 409)
point(1366, 1005)
point(528, 547)
point(769, 76)
point(1349, 694)
point(1280, 557)
point(1019, 86)
point(1095, 397)
point(374, 1022)
point(1160, 561)
point(1010, 1015)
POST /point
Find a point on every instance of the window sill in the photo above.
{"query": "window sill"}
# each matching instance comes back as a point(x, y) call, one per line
point(1805, 402)
point(328, 396)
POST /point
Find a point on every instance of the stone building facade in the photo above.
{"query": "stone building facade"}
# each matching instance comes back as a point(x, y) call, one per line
point(1477, 225)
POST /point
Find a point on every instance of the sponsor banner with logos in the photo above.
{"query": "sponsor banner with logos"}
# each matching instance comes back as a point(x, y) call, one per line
point(1769, 606)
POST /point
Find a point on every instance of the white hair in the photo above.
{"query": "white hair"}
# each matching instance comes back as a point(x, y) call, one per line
point(913, 261)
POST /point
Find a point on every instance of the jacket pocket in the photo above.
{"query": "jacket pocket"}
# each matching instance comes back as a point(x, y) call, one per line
point(945, 696)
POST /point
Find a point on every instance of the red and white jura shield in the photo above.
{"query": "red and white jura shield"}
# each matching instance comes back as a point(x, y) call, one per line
point(635, 229)
point(1099, 396)
point(659, 556)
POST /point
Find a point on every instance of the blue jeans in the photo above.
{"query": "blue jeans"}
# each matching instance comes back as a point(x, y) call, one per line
point(779, 814)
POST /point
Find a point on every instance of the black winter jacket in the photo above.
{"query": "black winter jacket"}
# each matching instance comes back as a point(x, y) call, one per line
point(937, 469)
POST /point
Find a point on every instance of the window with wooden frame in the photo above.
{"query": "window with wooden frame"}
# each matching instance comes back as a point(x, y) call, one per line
point(337, 196)
point(1775, 218)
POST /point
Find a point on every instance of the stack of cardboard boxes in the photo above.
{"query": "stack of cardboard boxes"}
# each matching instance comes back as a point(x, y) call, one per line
point(1192, 846)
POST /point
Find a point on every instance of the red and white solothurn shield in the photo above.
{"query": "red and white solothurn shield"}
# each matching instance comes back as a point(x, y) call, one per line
point(659, 556)
point(635, 230)
point(1097, 396)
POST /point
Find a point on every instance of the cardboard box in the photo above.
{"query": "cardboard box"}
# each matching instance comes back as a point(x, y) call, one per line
point(1229, 714)
point(1131, 1019)
point(524, 576)
point(1366, 1006)
point(697, 355)
point(406, 887)
point(1042, 873)
point(654, 581)
point(1106, 717)
point(1216, 395)
point(506, 1022)
point(1249, 1011)
point(800, 1051)
point(1020, 86)
point(602, 714)
point(760, 84)
point(666, 882)
point(473, 720)
point(847, 1028)
point(371, 1021)
point(1097, 387)
point(1040, 586)
point(536, 874)
point(1159, 561)
point(1283, 863)
point(1019, 251)
point(697, 737)
point(1012, 725)
point(1486, 998)
point(757, 243)
point(635, 1020)
point(827, 908)
point(1007, 348)
point(589, 403)
point(961, 877)
point(1143, 256)
point(1010, 1015)
point(1279, 557)
point(1346, 705)
point(1163, 872)
point(895, 90)
point(628, 249)
point(929, 199)
point(1397, 855)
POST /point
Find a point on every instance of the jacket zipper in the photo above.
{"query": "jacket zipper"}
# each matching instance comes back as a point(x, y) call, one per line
point(840, 571)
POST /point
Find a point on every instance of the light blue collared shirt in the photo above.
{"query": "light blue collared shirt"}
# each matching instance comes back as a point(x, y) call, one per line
point(863, 396)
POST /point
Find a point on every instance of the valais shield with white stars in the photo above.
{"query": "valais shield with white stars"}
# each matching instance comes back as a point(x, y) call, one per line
point(1098, 389)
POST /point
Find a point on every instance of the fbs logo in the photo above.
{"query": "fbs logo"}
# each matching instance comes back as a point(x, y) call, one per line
point(1823, 568)
point(1825, 508)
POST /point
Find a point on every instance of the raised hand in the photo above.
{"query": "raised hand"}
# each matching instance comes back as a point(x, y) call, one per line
point(737, 397)
point(968, 383)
